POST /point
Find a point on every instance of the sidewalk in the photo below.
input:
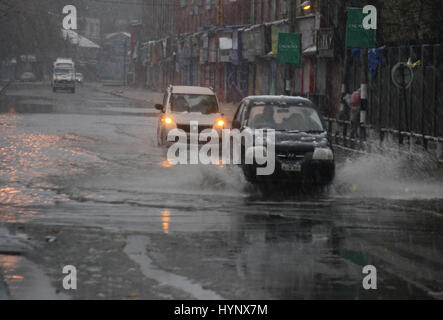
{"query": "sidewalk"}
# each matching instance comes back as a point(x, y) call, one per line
point(10, 246)
point(153, 97)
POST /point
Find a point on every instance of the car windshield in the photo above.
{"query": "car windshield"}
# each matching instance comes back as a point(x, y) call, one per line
point(205, 104)
point(63, 72)
point(64, 65)
point(285, 118)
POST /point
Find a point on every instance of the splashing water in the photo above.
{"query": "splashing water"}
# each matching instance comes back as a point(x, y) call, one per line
point(389, 176)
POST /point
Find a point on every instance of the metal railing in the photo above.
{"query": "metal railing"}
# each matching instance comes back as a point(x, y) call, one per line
point(383, 139)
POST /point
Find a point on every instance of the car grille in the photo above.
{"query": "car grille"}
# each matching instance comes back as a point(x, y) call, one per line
point(290, 155)
point(64, 81)
point(187, 127)
point(293, 153)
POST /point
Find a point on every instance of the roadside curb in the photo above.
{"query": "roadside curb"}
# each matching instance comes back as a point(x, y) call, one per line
point(3, 290)
point(123, 95)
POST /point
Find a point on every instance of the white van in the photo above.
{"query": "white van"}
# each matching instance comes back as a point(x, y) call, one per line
point(63, 75)
point(183, 104)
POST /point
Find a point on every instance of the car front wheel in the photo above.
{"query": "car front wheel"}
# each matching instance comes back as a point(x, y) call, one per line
point(160, 139)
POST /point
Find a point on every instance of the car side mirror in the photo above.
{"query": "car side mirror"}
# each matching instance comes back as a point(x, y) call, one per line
point(160, 107)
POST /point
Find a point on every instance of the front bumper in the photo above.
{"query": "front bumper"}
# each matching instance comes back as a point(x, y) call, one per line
point(313, 172)
point(198, 132)
point(64, 85)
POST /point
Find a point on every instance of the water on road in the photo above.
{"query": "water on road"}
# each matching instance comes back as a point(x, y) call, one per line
point(86, 169)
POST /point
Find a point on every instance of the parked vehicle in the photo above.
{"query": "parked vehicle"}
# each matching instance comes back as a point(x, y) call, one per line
point(79, 78)
point(64, 75)
point(303, 152)
point(28, 77)
point(183, 104)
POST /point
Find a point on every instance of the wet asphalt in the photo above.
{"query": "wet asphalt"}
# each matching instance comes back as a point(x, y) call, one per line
point(83, 183)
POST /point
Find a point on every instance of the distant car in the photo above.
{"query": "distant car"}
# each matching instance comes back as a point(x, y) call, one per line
point(79, 78)
point(183, 104)
point(303, 152)
point(27, 77)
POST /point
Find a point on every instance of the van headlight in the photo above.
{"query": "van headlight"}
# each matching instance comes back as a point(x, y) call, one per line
point(323, 154)
point(220, 123)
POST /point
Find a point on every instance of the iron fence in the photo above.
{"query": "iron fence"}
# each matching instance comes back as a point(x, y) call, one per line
point(411, 118)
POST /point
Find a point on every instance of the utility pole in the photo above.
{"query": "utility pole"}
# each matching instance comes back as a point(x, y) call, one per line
point(219, 17)
point(289, 70)
point(124, 62)
point(344, 112)
point(364, 94)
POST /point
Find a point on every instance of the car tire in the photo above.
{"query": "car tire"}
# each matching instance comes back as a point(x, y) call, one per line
point(163, 138)
point(249, 173)
point(160, 141)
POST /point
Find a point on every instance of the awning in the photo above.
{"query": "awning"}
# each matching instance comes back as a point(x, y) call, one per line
point(79, 40)
point(312, 50)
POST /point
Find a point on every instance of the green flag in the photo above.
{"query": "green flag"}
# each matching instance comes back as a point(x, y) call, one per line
point(289, 48)
point(356, 35)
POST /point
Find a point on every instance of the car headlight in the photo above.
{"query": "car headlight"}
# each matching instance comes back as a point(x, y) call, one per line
point(168, 120)
point(323, 154)
point(220, 123)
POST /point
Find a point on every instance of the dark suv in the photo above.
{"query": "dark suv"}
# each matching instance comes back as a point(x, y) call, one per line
point(303, 152)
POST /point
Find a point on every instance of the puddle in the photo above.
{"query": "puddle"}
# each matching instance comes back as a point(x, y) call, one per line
point(20, 278)
point(136, 250)
point(15, 104)
point(26, 281)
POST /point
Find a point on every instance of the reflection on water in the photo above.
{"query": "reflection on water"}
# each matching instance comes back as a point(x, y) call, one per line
point(25, 280)
point(167, 164)
point(27, 159)
point(14, 214)
point(8, 267)
point(6, 194)
point(166, 218)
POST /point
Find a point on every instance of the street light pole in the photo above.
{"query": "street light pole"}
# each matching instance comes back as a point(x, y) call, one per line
point(124, 62)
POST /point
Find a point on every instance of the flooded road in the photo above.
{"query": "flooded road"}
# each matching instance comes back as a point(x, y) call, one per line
point(84, 169)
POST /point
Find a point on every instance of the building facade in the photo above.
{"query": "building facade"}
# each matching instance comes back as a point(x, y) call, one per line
point(231, 45)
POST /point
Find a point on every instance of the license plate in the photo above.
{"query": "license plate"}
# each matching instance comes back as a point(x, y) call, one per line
point(294, 167)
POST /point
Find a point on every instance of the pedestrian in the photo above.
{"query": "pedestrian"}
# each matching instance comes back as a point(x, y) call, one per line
point(355, 113)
